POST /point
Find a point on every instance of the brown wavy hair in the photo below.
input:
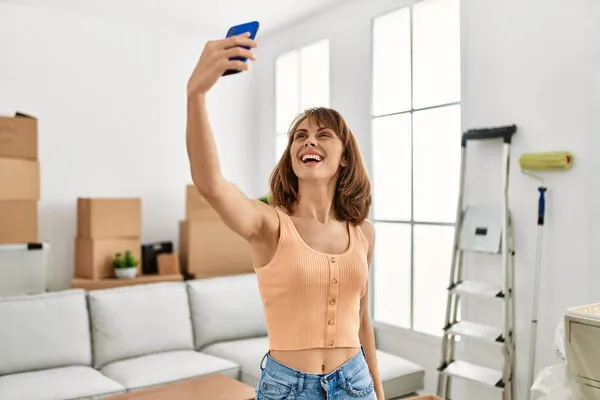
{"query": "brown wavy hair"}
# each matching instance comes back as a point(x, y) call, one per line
point(352, 199)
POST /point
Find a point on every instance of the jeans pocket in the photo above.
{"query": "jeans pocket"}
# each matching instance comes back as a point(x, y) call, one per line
point(360, 385)
point(271, 388)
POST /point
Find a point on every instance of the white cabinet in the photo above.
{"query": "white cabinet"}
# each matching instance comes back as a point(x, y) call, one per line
point(582, 334)
point(23, 268)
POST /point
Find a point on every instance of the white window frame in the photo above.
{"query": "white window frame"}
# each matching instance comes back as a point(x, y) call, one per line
point(410, 332)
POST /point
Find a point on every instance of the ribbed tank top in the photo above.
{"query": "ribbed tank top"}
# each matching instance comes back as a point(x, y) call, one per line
point(312, 299)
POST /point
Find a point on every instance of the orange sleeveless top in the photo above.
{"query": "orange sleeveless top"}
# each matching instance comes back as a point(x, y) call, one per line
point(312, 299)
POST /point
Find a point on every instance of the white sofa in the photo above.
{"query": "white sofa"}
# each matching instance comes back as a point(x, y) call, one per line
point(75, 344)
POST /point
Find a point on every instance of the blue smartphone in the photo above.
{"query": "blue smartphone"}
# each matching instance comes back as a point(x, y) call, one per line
point(251, 27)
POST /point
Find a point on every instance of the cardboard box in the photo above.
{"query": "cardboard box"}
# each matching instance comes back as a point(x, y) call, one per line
point(210, 248)
point(19, 179)
point(150, 252)
point(18, 222)
point(103, 218)
point(196, 206)
point(93, 257)
point(168, 264)
point(19, 137)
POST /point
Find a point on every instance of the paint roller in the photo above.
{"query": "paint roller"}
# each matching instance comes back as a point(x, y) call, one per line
point(546, 161)
point(549, 161)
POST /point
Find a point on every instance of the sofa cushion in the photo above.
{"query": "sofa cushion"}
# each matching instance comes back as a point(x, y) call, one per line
point(226, 308)
point(74, 382)
point(46, 330)
point(400, 377)
point(248, 353)
point(137, 320)
point(156, 369)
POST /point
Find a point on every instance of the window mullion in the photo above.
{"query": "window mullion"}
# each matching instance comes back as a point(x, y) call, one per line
point(412, 180)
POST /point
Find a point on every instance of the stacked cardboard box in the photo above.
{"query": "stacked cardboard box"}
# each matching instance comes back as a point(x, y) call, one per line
point(19, 179)
point(106, 226)
point(207, 247)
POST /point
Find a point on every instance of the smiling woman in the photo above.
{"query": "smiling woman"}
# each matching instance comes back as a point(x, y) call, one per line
point(321, 137)
point(312, 245)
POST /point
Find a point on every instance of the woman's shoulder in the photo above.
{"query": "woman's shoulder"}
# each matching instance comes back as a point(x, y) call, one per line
point(367, 228)
point(270, 217)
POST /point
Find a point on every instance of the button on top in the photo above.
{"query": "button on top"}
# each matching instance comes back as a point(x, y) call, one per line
point(332, 295)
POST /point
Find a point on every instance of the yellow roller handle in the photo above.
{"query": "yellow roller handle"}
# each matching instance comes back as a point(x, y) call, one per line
point(546, 161)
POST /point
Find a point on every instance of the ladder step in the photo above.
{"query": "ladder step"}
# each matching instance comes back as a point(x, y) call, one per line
point(475, 373)
point(481, 230)
point(481, 289)
point(477, 331)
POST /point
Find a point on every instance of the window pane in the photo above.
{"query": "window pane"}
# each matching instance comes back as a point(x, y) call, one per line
point(391, 167)
point(281, 141)
point(436, 52)
point(391, 62)
point(314, 75)
point(392, 274)
point(436, 165)
point(433, 256)
point(287, 78)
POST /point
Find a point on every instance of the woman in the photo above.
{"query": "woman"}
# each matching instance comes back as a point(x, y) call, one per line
point(312, 246)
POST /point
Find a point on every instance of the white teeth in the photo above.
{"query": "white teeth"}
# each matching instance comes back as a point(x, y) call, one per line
point(310, 157)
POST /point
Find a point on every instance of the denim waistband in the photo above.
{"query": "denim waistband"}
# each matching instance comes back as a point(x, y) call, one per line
point(303, 380)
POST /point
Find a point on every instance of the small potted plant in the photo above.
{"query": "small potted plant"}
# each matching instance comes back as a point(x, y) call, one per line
point(264, 199)
point(125, 266)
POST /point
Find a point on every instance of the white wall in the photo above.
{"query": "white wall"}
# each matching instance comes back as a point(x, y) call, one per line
point(595, 149)
point(530, 63)
point(527, 63)
point(110, 97)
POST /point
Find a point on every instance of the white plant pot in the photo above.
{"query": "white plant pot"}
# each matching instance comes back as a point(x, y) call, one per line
point(127, 273)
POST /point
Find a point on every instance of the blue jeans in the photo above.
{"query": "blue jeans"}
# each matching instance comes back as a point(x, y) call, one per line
point(351, 381)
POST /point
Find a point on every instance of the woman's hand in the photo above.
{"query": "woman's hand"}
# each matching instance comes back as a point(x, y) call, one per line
point(215, 60)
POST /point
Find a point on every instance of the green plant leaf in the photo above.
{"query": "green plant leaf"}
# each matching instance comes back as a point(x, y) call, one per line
point(130, 260)
point(264, 199)
point(126, 261)
point(117, 261)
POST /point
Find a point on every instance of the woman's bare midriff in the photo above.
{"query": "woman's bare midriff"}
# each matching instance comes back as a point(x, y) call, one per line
point(315, 361)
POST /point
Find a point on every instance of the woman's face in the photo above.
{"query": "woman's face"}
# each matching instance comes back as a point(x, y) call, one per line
point(316, 152)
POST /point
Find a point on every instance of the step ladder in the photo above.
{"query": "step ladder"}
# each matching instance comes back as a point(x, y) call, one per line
point(488, 230)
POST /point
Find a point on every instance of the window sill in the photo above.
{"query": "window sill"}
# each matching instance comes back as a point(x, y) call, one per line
point(425, 338)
